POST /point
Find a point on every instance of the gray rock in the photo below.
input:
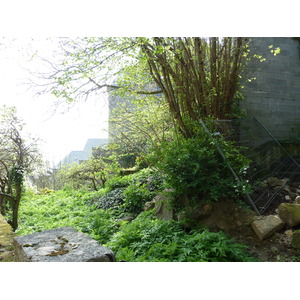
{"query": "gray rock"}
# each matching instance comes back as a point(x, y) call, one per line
point(64, 244)
point(297, 200)
point(149, 205)
point(293, 196)
point(163, 208)
point(272, 181)
point(265, 227)
point(287, 198)
point(282, 182)
point(275, 182)
point(289, 213)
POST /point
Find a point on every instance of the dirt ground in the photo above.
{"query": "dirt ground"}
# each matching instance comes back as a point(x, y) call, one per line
point(235, 220)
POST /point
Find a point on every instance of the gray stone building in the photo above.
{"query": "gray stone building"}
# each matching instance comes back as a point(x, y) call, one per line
point(274, 95)
point(86, 153)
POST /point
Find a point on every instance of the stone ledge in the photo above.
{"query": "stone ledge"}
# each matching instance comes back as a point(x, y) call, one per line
point(64, 244)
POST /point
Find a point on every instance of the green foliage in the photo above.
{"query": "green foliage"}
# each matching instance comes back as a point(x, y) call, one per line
point(103, 225)
point(144, 239)
point(144, 175)
point(149, 239)
point(57, 209)
point(18, 155)
point(119, 182)
point(146, 121)
point(44, 191)
point(148, 176)
point(194, 166)
point(91, 173)
point(17, 175)
point(129, 193)
point(113, 199)
point(135, 198)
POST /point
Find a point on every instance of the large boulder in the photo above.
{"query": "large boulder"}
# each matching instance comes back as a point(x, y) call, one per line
point(163, 207)
point(289, 213)
point(265, 227)
point(296, 239)
point(64, 244)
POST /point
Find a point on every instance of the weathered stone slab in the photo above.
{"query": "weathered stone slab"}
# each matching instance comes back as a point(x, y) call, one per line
point(289, 213)
point(265, 227)
point(64, 244)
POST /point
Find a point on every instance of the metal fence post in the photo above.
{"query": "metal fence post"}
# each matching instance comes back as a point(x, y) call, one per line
point(248, 198)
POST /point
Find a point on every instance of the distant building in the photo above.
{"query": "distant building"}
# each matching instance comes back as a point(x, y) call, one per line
point(85, 154)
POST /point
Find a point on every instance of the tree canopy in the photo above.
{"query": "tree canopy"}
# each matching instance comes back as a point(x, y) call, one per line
point(198, 77)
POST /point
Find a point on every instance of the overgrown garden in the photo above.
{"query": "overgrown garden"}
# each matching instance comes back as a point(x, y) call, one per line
point(162, 89)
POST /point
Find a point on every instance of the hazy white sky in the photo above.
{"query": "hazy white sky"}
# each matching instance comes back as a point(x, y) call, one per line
point(61, 133)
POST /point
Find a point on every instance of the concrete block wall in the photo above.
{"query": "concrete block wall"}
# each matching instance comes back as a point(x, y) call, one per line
point(274, 97)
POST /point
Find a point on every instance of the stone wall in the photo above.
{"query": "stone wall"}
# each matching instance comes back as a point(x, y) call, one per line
point(274, 96)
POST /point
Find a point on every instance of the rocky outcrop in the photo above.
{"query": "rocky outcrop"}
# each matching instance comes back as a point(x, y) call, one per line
point(162, 205)
point(289, 213)
point(149, 205)
point(163, 208)
point(64, 244)
point(265, 227)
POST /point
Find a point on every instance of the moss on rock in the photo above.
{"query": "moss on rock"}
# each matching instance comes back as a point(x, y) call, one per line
point(6, 240)
point(289, 213)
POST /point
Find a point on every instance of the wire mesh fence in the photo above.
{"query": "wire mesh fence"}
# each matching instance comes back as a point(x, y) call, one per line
point(272, 168)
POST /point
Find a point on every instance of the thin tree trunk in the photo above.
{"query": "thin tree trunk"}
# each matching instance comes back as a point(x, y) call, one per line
point(15, 206)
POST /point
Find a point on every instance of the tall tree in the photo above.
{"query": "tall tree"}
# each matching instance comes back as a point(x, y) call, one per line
point(197, 76)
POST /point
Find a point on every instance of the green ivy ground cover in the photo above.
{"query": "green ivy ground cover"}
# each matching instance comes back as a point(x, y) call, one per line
point(144, 239)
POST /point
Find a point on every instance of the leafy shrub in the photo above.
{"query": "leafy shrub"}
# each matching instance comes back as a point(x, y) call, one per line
point(149, 239)
point(194, 167)
point(119, 182)
point(113, 199)
point(132, 191)
point(151, 178)
point(135, 198)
